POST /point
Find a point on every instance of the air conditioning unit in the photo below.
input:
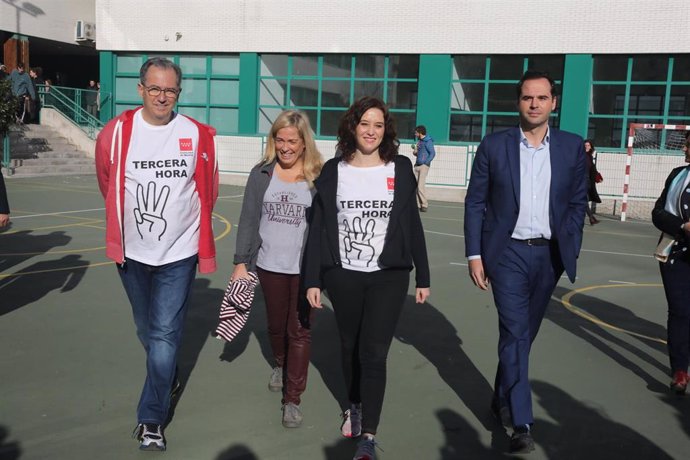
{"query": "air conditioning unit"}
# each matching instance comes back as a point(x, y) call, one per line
point(85, 31)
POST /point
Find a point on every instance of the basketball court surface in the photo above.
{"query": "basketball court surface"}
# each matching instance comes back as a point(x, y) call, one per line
point(72, 367)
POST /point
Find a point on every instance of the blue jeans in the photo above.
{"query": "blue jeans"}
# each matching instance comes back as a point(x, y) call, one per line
point(159, 296)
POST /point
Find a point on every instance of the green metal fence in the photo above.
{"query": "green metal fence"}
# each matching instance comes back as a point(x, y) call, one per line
point(73, 104)
point(6, 151)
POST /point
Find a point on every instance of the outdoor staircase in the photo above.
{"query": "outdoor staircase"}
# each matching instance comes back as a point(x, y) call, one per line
point(39, 150)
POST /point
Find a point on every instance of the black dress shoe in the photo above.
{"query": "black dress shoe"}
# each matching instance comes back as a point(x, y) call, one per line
point(521, 442)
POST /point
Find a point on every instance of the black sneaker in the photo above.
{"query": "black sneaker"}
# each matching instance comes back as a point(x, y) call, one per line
point(150, 436)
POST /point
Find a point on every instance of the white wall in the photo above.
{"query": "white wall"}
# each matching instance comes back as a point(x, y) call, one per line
point(50, 19)
point(450, 171)
point(395, 26)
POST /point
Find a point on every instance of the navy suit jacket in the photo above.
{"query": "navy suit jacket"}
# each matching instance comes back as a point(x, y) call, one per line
point(492, 202)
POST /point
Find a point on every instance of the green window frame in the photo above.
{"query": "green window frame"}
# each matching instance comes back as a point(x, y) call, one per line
point(483, 92)
point(324, 86)
point(210, 86)
point(640, 89)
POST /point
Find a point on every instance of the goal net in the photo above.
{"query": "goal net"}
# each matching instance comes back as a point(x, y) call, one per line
point(653, 150)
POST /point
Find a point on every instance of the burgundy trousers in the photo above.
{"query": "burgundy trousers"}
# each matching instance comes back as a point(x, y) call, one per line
point(290, 341)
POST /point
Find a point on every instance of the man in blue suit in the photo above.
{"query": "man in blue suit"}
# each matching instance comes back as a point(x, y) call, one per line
point(524, 213)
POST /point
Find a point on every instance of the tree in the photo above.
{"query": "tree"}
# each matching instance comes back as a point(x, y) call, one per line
point(8, 106)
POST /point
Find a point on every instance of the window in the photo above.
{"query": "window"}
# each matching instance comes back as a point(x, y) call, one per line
point(642, 89)
point(325, 86)
point(483, 98)
point(210, 87)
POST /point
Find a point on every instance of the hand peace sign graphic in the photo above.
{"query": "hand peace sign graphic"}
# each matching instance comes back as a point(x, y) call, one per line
point(359, 239)
point(149, 211)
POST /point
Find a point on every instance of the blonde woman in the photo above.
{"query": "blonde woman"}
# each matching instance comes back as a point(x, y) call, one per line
point(270, 238)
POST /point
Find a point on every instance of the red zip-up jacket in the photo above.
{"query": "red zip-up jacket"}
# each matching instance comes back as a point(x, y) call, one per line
point(112, 146)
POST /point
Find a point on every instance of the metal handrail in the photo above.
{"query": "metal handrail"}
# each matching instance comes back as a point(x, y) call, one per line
point(6, 150)
point(70, 102)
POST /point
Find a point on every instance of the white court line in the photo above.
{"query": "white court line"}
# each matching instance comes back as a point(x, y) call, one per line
point(458, 263)
point(617, 253)
point(621, 282)
point(447, 206)
point(444, 234)
point(231, 196)
point(447, 219)
point(57, 213)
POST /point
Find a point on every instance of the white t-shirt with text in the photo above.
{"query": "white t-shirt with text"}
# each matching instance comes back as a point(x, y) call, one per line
point(364, 201)
point(162, 208)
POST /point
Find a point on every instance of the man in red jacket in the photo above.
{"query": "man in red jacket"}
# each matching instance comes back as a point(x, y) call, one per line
point(157, 171)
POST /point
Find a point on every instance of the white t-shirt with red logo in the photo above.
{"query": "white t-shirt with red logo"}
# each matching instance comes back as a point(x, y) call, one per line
point(161, 209)
point(364, 201)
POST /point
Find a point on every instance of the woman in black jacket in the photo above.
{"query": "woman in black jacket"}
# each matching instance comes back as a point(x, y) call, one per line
point(594, 178)
point(671, 215)
point(365, 237)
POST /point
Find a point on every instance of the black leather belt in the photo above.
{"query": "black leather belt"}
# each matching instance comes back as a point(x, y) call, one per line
point(534, 241)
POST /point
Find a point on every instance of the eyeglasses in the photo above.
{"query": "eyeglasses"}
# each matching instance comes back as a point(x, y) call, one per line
point(155, 91)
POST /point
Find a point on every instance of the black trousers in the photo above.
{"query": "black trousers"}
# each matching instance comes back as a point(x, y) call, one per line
point(676, 278)
point(367, 307)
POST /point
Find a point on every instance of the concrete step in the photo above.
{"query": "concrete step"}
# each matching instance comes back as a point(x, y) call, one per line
point(54, 138)
point(22, 149)
point(52, 161)
point(53, 170)
point(49, 154)
point(33, 138)
point(38, 150)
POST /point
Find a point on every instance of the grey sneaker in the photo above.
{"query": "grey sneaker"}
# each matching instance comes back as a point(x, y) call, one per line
point(352, 421)
point(275, 383)
point(366, 449)
point(292, 416)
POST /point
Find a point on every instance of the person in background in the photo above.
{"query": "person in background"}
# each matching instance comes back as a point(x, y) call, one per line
point(270, 239)
point(594, 178)
point(671, 215)
point(158, 174)
point(23, 90)
point(36, 74)
point(425, 153)
point(98, 99)
point(91, 98)
point(364, 238)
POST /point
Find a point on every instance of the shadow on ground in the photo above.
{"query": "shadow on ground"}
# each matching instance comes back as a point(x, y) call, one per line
point(8, 450)
point(581, 432)
point(21, 246)
point(426, 329)
point(35, 281)
point(237, 452)
point(600, 337)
